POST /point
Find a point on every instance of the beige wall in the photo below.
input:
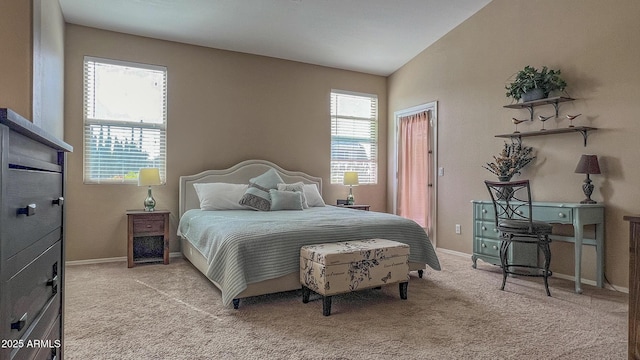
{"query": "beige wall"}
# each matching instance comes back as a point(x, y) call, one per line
point(31, 64)
point(224, 107)
point(48, 66)
point(15, 56)
point(596, 44)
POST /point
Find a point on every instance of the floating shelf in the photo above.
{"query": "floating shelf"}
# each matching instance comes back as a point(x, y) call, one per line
point(529, 105)
point(584, 130)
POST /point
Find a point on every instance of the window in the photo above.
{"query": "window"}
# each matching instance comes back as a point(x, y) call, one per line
point(354, 136)
point(125, 120)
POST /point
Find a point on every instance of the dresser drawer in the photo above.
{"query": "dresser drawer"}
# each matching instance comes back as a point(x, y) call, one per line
point(486, 229)
point(488, 247)
point(31, 291)
point(148, 225)
point(556, 215)
point(25, 152)
point(32, 208)
point(44, 341)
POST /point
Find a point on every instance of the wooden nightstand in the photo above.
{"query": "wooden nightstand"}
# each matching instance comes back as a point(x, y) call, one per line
point(148, 237)
point(357, 207)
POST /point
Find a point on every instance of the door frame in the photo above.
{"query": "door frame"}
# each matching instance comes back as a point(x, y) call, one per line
point(432, 107)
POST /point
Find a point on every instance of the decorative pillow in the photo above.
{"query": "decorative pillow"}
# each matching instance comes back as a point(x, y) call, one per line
point(257, 194)
point(299, 186)
point(314, 199)
point(220, 196)
point(285, 200)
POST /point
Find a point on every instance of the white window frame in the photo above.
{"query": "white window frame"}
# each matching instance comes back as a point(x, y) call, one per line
point(143, 133)
point(367, 169)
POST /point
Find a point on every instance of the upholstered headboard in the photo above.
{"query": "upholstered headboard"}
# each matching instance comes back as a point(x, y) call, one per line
point(237, 174)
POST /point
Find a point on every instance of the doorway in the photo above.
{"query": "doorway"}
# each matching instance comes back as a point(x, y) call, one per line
point(415, 165)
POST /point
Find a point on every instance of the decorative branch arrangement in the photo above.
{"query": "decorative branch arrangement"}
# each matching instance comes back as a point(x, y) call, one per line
point(510, 161)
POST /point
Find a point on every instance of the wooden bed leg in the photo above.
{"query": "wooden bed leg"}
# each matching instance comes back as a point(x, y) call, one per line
point(236, 303)
point(403, 290)
point(421, 272)
point(326, 305)
point(305, 294)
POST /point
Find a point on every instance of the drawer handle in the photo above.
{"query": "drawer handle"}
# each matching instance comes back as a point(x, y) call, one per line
point(59, 201)
point(495, 230)
point(53, 283)
point(18, 325)
point(27, 210)
point(495, 247)
point(561, 215)
point(484, 245)
point(484, 211)
point(484, 228)
point(519, 212)
point(148, 226)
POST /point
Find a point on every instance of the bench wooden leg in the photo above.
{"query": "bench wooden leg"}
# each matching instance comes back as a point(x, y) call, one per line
point(326, 305)
point(403, 290)
point(305, 294)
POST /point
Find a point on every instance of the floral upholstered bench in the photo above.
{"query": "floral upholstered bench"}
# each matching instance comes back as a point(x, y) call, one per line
point(337, 268)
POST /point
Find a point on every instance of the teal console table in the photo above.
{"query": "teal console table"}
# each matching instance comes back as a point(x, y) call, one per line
point(486, 243)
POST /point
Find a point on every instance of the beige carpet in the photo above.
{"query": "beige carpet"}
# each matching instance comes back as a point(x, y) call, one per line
point(173, 312)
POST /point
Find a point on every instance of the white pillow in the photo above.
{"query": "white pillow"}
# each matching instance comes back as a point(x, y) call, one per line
point(220, 196)
point(299, 187)
point(314, 199)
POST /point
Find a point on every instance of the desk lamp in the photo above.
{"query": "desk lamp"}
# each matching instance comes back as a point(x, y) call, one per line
point(588, 164)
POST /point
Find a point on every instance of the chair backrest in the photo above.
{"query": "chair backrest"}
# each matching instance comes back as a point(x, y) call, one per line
point(511, 200)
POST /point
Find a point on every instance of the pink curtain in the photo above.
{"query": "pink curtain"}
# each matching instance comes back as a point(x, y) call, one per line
point(414, 167)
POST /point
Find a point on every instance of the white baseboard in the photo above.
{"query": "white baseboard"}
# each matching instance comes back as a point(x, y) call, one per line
point(555, 274)
point(108, 260)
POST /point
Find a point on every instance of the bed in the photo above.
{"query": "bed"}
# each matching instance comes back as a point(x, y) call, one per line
point(245, 252)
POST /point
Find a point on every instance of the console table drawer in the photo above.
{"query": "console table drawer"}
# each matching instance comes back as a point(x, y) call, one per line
point(486, 229)
point(489, 247)
point(553, 215)
point(484, 212)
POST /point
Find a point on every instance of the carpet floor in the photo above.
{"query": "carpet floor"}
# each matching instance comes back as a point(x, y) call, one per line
point(173, 312)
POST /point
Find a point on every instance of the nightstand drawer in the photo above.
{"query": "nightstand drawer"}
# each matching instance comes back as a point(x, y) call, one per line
point(148, 225)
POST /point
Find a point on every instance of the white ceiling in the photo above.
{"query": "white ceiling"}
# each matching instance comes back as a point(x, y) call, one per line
point(371, 36)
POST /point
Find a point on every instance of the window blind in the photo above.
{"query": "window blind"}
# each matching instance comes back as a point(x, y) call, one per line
point(354, 136)
point(125, 119)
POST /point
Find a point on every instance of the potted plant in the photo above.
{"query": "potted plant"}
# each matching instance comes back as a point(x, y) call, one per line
point(533, 84)
point(510, 161)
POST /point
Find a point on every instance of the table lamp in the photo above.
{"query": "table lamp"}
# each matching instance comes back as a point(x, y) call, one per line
point(351, 179)
point(588, 164)
point(149, 177)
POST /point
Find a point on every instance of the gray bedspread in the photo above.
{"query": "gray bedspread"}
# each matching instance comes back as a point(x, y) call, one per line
point(247, 246)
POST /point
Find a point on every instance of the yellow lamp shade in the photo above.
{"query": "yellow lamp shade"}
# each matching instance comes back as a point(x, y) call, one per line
point(350, 178)
point(149, 176)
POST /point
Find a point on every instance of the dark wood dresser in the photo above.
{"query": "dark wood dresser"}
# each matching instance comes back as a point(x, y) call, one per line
point(634, 286)
point(32, 164)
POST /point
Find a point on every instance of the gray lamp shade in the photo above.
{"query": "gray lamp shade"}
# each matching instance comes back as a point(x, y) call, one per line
point(588, 164)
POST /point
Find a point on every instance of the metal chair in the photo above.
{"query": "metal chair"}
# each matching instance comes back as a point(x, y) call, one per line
point(513, 215)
